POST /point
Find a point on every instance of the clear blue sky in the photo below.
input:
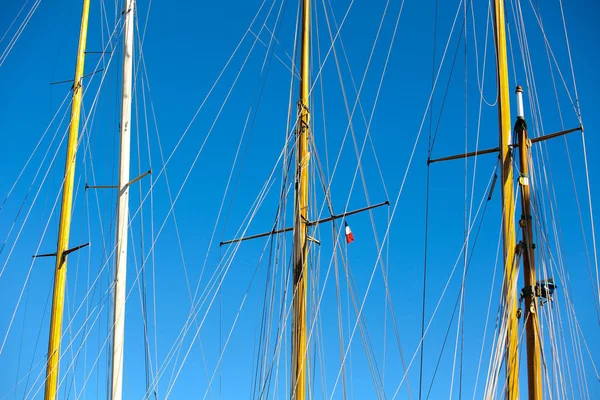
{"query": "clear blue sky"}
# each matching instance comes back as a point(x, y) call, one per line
point(185, 48)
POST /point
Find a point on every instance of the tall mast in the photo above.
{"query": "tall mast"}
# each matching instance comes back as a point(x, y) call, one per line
point(122, 209)
point(508, 205)
point(534, 369)
point(299, 351)
point(60, 272)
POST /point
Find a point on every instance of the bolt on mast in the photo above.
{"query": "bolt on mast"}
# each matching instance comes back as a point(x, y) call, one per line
point(508, 205)
point(62, 247)
point(122, 209)
point(534, 370)
point(300, 257)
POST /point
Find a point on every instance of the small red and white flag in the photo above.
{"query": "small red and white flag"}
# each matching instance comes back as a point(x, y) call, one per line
point(349, 235)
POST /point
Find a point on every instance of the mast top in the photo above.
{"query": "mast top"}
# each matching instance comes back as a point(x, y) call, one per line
point(520, 108)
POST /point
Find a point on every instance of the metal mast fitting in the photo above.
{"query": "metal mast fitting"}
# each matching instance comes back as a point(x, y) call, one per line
point(520, 109)
point(60, 271)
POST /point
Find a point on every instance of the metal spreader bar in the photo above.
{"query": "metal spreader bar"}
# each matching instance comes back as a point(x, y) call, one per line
point(312, 223)
point(71, 80)
point(134, 180)
point(131, 182)
point(101, 187)
point(465, 155)
point(497, 149)
point(556, 134)
point(65, 253)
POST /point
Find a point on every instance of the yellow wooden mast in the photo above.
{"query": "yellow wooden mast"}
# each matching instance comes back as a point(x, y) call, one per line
point(299, 350)
point(60, 274)
point(534, 367)
point(508, 205)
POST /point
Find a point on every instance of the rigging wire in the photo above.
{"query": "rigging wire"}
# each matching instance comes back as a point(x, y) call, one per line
point(432, 138)
point(427, 190)
point(208, 134)
point(86, 380)
point(7, 196)
point(13, 21)
point(578, 352)
point(32, 366)
point(262, 382)
point(350, 128)
point(575, 191)
point(467, 220)
point(316, 315)
point(393, 212)
point(459, 298)
point(143, 289)
point(49, 219)
point(218, 283)
point(443, 293)
point(41, 164)
point(216, 280)
point(580, 369)
point(585, 158)
point(13, 41)
point(35, 198)
point(70, 305)
point(358, 320)
point(146, 84)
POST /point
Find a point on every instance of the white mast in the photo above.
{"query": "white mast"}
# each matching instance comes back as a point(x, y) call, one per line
point(122, 209)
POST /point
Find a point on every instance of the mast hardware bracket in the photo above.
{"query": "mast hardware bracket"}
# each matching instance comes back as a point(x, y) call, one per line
point(131, 182)
point(524, 220)
point(134, 180)
point(100, 187)
point(543, 289)
point(314, 240)
point(309, 223)
point(519, 313)
point(302, 106)
point(521, 246)
point(497, 149)
point(71, 80)
point(64, 254)
point(533, 291)
point(492, 188)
